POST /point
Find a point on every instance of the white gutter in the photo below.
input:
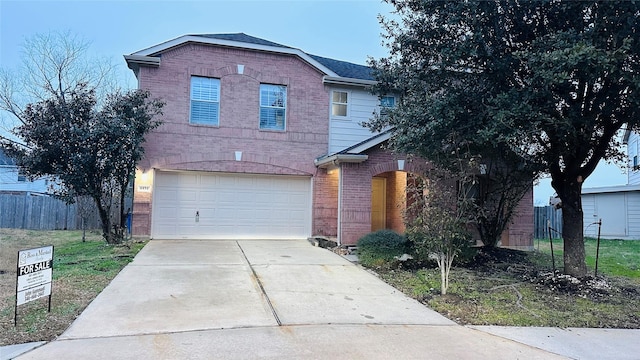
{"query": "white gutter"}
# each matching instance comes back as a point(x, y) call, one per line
point(611, 189)
point(335, 160)
point(339, 80)
point(135, 61)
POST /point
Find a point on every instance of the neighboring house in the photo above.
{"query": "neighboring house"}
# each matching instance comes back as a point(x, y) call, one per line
point(632, 140)
point(12, 180)
point(261, 140)
point(617, 206)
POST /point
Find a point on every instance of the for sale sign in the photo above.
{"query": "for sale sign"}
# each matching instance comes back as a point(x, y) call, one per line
point(35, 267)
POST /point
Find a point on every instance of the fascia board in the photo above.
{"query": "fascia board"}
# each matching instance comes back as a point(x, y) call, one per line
point(142, 60)
point(154, 50)
point(610, 189)
point(337, 159)
point(371, 143)
point(339, 80)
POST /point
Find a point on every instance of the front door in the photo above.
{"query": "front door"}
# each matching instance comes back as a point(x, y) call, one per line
point(378, 203)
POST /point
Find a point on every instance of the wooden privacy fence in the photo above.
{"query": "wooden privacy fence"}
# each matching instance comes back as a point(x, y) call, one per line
point(21, 211)
point(541, 214)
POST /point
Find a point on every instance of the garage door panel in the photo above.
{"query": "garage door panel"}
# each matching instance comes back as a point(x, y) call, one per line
point(166, 195)
point(208, 195)
point(168, 179)
point(230, 206)
point(209, 181)
point(186, 213)
point(188, 180)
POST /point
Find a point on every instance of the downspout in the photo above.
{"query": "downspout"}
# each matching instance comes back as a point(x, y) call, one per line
point(339, 237)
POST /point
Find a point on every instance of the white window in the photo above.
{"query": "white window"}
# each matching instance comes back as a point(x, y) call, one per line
point(22, 177)
point(273, 106)
point(205, 101)
point(386, 103)
point(339, 103)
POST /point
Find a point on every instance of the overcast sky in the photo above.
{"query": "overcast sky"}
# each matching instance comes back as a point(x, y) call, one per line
point(340, 29)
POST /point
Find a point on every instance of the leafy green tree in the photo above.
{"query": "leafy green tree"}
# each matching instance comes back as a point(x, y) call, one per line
point(544, 86)
point(92, 152)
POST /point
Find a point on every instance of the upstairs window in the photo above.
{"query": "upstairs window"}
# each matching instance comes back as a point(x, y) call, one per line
point(205, 101)
point(386, 103)
point(339, 103)
point(273, 106)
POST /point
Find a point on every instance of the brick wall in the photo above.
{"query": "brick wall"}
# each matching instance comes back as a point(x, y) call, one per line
point(325, 200)
point(177, 145)
point(356, 195)
point(519, 234)
point(355, 204)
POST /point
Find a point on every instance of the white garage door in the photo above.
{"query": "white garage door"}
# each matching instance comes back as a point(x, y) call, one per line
point(194, 205)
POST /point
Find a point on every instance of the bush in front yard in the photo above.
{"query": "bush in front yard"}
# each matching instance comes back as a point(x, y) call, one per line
point(379, 248)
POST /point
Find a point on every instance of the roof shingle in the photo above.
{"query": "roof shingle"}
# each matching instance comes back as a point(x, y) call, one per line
point(342, 68)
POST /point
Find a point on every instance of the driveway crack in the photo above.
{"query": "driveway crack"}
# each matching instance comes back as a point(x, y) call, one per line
point(264, 293)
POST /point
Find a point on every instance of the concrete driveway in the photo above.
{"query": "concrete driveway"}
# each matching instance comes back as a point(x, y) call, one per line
point(199, 299)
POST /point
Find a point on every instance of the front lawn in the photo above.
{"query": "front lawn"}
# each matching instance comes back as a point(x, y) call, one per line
point(514, 288)
point(616, 257)
point(80, 271)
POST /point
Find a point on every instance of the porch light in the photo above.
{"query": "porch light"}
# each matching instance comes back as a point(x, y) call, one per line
point(238, 155)
point(401, 165)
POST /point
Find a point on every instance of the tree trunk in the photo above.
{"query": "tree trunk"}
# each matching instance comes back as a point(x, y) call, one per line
point(444, 284)
point(573, 229)
point(105, 218)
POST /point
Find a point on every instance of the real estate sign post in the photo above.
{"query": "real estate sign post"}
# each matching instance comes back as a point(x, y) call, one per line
point(35, 269)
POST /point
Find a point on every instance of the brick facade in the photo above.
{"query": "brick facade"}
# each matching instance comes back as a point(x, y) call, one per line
point(355, 214)
point(519, 233)
point(178, 145)
point(325, 203)
point(341, 198)
point(356, 199)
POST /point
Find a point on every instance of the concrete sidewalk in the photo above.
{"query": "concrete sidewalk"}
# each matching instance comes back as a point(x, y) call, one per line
point(268, 299)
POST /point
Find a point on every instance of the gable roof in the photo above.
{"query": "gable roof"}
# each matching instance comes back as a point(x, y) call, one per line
point(346, 69)
point(336, 71)
point(353, 153)
point(367, 144)
point(242, 37)
point(342, 68)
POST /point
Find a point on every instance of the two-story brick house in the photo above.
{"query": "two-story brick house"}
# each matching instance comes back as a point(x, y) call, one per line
point(261, 140)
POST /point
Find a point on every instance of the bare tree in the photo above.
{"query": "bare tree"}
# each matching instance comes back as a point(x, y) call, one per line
point(52, 65)
point(70, 120)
